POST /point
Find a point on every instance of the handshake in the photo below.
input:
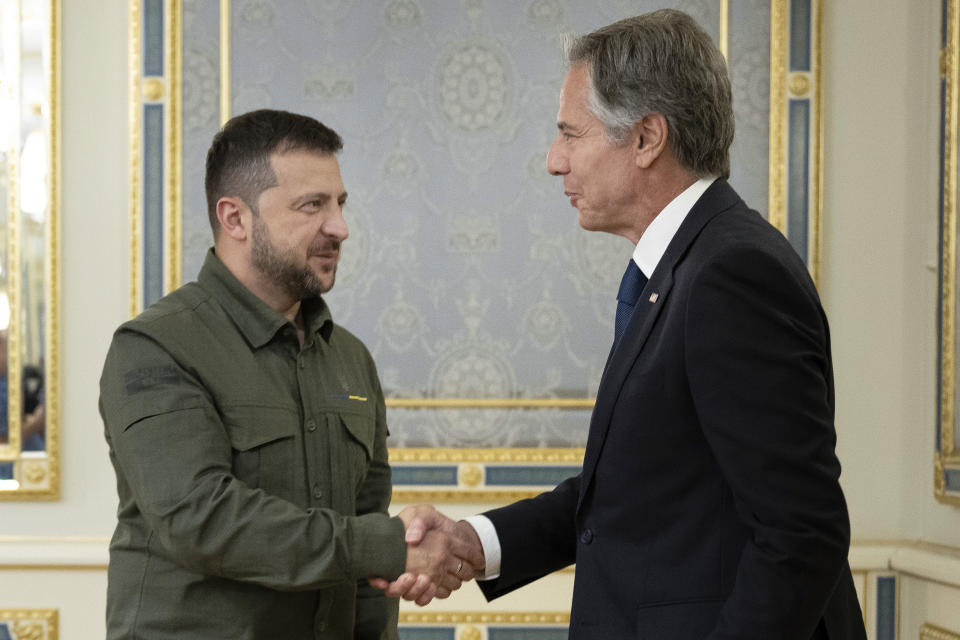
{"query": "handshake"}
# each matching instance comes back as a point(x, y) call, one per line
point(441, 555)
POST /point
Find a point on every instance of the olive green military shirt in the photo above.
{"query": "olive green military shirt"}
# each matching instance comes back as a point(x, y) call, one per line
point(252, 473)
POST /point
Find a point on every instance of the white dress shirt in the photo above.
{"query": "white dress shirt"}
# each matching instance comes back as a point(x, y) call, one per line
point(651, 247)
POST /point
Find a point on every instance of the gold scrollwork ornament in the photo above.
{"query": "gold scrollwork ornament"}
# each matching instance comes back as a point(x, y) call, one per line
point(471, 475)
point(470, 632)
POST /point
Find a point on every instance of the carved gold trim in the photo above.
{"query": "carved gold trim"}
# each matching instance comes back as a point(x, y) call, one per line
point(724, 38)
point(490, 403)
point(573, 456)
point(224, 61)
point(930, 631)
point(779, 36)
point(52, 329)
point(483, 617)
point(153, 89)
point(33, 624)
point(948, 313)
point(174, 45)
point(136, 222)
point(816, 141)
point(464, 496)
point(40, 476)
point(13, 267)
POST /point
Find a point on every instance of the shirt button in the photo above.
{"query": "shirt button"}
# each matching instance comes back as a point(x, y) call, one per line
point(311, 425)
point(302, 364)
point(586, 537)
point(317, 491)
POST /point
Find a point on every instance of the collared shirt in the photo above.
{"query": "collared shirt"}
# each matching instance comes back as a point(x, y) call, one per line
point(252, 472)
point(650, 248)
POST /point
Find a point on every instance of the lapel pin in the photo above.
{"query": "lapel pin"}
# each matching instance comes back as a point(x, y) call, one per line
point(654, 296)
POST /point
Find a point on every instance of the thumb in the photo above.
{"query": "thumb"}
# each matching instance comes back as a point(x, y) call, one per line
point(416, 530)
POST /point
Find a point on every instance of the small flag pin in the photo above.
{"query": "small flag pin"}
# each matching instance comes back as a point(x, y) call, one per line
point(654, 296)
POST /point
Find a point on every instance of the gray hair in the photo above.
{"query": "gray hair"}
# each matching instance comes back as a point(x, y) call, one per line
point(661, 62)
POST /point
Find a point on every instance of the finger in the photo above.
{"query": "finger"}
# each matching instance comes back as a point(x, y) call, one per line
point(419, 589)
point(442, 593)
point(400, 586)
point(428, 595)
point(450, 582)
point(415, 531)
point(378, 583)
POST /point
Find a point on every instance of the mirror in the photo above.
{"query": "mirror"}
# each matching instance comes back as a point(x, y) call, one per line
point(28, 240)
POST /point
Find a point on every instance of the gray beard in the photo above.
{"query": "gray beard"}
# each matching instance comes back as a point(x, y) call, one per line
point(298, 281)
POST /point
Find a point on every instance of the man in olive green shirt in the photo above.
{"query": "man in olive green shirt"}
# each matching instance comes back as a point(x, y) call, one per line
point(248, 431)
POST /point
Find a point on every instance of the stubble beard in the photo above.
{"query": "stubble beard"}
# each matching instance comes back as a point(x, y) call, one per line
point(281, 268)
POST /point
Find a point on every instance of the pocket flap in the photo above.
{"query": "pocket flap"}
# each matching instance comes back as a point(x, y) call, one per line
point(361, 428)
point(251, 427)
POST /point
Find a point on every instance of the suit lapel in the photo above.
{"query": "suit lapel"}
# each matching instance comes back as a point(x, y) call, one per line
point(719, 197)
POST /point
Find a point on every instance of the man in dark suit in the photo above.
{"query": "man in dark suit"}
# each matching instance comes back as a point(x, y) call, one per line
point(709, 504)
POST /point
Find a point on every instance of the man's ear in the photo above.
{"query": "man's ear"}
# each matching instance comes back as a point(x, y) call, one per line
point(649, 139)
point(233, 214)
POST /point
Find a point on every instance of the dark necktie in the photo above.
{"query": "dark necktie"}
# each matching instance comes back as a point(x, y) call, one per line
point(630, 288)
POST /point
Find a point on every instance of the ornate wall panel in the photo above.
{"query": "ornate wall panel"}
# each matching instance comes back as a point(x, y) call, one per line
point(29, 624)
point(488, 311)
point(947, 455)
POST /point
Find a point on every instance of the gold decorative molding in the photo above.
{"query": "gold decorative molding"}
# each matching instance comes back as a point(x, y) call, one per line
point(724, 38)
point(224, 61)
point(470, 632)
point(799, 84)
point(490, 403)
point(483, 617)
point(948, 267)
point(153, 89)
point(569, 456)
point(930, 631)
point(174, 70)
point(779, 36)
point(463, 496)
point(32, 624)
point(136, 222)
point(470, 475)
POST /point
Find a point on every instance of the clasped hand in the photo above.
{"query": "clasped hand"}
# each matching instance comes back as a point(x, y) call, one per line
point(441, 555)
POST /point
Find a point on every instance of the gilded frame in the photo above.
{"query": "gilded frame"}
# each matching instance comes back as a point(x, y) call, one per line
point(39, 477)
point(36, 624)
point(946, 464)
point(795, 179)
point(930, 631)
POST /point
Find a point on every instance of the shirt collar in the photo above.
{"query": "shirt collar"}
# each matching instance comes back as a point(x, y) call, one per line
point(654, 241)
point(255, 319)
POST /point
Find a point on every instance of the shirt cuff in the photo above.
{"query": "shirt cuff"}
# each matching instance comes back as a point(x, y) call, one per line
point(490, 543)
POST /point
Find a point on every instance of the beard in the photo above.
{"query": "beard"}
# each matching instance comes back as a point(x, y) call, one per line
point(282, 268)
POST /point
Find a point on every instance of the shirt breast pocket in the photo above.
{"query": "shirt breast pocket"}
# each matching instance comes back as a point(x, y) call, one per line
point(361, 432)
point(263, 440)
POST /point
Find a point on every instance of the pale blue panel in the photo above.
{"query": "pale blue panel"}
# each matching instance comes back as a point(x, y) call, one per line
point(465, 273)
point(5, 631)
point(425, 475)
point(531, 476)
point(952, 480)
point(750, 78)
point(798, 176)
point(152, 37)
point(201, 119)
point(887, 608)
point(152, 203)
point(526, 633)
point(800, 32)
point(6, 471)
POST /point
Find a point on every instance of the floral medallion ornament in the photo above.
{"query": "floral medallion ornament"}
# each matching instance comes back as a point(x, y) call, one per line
point(471, 87)
point(545, 14)
point(402, 14)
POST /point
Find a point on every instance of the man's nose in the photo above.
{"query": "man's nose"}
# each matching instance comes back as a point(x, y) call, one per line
point(557, 164)
point(335, 226)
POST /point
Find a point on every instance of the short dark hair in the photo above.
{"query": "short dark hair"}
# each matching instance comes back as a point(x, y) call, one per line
point(662, 62)
point(238, 161)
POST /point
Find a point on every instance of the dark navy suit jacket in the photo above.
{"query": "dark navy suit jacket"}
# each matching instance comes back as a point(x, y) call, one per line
point(709, 504)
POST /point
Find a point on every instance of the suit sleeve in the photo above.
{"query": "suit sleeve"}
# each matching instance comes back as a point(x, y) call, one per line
point(760, 374)
point(170, 446)
point(537, 537)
